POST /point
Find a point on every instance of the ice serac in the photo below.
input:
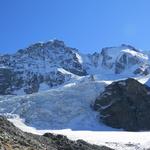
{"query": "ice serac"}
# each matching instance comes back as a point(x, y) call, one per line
point(51, 63)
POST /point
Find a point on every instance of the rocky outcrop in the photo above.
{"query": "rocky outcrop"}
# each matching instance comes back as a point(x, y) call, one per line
point(125, 104)
point(12, 138)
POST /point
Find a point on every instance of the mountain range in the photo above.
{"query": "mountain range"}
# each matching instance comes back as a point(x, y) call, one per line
point(43, 66)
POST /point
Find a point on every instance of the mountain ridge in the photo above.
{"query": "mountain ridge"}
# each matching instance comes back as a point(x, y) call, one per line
point(50, 64)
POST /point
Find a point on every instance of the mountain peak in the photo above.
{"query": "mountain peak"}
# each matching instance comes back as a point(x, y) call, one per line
point(58, 43)
point(129, 47)
point(43, 46)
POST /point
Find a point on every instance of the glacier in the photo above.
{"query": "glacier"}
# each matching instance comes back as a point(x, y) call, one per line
point(68, 106)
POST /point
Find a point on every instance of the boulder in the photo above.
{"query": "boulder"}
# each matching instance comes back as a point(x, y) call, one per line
point(126, 105)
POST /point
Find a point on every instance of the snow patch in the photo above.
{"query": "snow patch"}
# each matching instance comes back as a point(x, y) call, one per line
point(79, 58)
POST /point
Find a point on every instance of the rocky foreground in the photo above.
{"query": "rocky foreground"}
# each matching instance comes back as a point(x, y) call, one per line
point(12, 138)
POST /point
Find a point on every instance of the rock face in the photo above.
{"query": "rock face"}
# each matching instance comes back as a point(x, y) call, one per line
point(125, 104)
point(11, 138)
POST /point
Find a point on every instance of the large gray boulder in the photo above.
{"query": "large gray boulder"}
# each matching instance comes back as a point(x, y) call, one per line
point(125, 104)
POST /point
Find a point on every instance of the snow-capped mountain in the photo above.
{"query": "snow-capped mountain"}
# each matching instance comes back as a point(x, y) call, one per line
point(42, 66)
point(118, 60)
point(52, 86)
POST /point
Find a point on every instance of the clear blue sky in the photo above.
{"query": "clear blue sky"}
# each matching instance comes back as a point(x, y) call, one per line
point(87, 25)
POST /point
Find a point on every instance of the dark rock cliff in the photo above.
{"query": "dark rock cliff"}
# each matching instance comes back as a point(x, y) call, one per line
point(125, 104)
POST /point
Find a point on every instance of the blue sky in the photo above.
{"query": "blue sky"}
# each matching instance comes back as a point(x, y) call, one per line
point(87, 25)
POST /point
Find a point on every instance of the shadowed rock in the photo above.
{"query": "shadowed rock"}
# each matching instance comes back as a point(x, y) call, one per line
point(125, 104)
